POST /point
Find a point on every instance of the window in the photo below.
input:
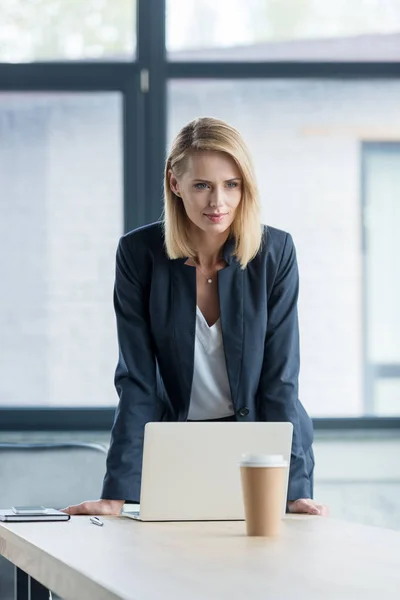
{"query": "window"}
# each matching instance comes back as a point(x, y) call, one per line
point(60, 221)
point(304, 136)
point(268, 30)
point(39, 30)
point(312, 85)
point(382, 276)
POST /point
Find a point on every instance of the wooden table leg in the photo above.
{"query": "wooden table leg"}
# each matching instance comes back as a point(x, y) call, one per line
point(27, 588)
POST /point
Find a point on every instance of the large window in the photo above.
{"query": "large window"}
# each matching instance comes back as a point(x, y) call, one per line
point(305, 138)
point(60, 220)
point(66, 30)
point(92, 93)
point(269, 30)
point(382, 276)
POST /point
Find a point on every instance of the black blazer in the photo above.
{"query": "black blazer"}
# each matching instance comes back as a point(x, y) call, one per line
point(155, 305)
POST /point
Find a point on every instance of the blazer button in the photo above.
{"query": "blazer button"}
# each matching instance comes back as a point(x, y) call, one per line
point(243, 412)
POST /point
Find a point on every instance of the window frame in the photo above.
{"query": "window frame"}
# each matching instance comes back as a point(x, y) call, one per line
point(144, 141)
point(372, 371)
point(100, 419)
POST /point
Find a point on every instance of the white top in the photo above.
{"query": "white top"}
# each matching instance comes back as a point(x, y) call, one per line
point(211, 395)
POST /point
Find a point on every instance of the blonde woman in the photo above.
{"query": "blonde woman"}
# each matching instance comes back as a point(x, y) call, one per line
point(206, 307)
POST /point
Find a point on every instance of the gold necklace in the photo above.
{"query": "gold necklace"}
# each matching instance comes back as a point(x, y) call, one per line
point(209, 280)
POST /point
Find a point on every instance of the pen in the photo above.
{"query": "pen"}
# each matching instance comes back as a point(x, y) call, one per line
point(96, 521)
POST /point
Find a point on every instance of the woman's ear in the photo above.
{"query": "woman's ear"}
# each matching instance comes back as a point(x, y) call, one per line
point(173, 183)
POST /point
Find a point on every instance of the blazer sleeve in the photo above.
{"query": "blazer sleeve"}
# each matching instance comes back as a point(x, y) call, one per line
point(278, 391)
point(135, 381)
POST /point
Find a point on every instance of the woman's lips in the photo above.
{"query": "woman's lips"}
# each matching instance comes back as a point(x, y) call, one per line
point(216, 218)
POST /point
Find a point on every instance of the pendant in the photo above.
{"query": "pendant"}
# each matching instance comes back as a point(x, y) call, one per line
point(209, 280)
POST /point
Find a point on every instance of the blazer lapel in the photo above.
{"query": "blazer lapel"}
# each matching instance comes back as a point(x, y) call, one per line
point(184, 311)
point(230, 286)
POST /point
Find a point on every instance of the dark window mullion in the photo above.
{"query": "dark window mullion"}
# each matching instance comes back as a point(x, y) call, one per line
point(282, 69)
point(152, 57)
point(101, 419)
point(66, 76)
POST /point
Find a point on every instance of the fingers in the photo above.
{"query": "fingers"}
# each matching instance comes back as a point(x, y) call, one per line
point(95, 507)
point(308, 506)
point(304, 507)
point(84, 508)
point(323, 510)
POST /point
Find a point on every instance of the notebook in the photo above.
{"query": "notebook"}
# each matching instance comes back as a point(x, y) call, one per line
point(50, 514)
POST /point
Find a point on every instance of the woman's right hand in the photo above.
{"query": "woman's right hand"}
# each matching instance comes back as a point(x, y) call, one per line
point(96, 507)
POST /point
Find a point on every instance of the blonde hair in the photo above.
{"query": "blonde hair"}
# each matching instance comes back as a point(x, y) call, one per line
point(207, 133)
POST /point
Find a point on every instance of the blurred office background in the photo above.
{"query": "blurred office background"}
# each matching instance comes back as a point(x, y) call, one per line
point(91, 95)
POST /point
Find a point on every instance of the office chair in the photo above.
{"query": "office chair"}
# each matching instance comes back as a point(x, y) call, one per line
point(54, 474)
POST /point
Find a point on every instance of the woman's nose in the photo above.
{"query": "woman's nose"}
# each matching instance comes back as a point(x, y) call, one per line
point(217, 198)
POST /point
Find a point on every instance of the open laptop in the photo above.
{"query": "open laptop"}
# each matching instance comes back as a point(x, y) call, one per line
point(191, 470)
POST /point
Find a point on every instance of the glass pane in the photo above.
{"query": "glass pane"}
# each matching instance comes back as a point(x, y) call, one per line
point(74, 30)
point(61, 215)
point(304, 136)
point(382, 223)
point(264, 30)
point(387, 397)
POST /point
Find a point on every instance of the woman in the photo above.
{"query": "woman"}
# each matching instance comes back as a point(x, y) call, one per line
point(206, 307)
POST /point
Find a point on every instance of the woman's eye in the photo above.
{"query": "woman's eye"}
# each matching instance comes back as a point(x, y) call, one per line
point(232, 184)
point(200, 186)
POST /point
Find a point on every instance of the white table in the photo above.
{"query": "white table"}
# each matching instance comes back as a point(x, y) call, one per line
point(315, 558)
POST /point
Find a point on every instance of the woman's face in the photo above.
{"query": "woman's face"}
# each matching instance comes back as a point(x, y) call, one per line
point(210, 189)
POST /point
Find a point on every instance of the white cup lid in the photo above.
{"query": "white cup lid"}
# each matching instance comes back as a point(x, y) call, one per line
point(263, 460)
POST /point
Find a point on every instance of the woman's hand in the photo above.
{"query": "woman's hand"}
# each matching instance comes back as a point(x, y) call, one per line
point(96, 507)
point(308, 506)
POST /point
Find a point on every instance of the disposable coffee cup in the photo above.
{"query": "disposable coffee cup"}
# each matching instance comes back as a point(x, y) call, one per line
point(263, 485)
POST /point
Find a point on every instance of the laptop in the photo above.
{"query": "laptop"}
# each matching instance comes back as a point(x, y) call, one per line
point(191, 470)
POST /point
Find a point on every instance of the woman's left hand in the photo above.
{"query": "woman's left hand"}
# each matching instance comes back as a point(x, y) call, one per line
point(308, 506)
